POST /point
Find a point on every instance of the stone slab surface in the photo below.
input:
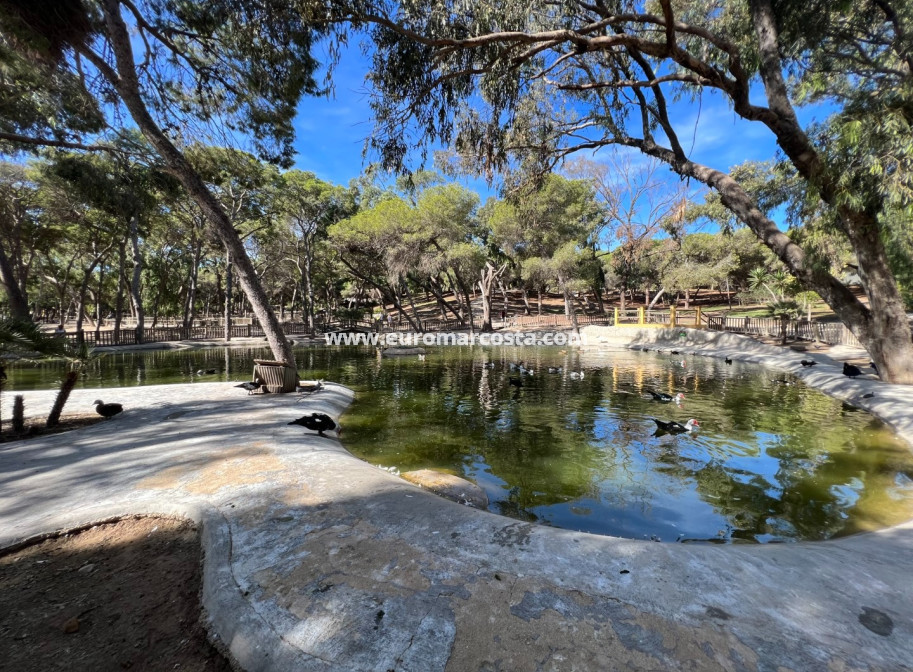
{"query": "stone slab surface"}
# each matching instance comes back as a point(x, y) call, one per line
point(315, 560)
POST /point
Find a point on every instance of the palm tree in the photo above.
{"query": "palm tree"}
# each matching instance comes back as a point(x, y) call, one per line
point(23, 340)
point(78, 357)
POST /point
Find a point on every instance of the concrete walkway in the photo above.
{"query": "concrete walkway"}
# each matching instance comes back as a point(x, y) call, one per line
point(315, 560)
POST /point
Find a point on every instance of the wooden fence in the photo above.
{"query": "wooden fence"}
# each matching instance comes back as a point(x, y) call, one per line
point(833, 333)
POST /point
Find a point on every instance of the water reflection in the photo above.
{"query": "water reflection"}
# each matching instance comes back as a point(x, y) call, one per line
point(772, 461)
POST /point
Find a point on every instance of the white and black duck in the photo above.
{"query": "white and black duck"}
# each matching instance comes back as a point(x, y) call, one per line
point(318, 422)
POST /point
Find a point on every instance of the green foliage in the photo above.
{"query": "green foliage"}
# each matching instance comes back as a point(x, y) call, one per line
point(24, 339)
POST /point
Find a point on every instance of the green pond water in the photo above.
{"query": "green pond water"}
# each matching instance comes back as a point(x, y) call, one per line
point(771, 461)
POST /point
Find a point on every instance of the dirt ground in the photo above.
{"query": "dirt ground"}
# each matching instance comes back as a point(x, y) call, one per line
point(35, 428)
point(117, 596)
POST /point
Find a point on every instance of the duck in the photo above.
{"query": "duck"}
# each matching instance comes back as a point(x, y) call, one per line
point(577, 375)
point(319, 422)
point(555, 369)
point(250, 387)
point(675, 352)
point(673, 427)
point(808, 362)
point(875, 368)
point(488, 365)
point(665, 398)
point(851, 371)
point(728, 360)
point(205, 372)
point(514, 367)
point(107, 410)
point(782, 381)
point(516, 382)
point(311, 389)
point(868, 395)
point(525, 371)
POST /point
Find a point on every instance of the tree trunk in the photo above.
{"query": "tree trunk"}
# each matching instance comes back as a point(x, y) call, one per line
point(687, 298)
point(442, 302)
point(486, 282)
point(98, 316)
point(526, 308)
point(465, 291)
point(569, 309)
point(19, 305)
point(66, 387)
point(81, 298)
point(126, 82)
point(882, 327)
point(308, 284)
point(539, 300)
point(228, 294)
point(121, 285)
point(19, 414)
point(135, 282)
point(418, 320)
point(656, 297)
point(192, 283)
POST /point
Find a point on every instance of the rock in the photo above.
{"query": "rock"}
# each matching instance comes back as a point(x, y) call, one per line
point(86, 569)
point(449, 486)
point(71, 626)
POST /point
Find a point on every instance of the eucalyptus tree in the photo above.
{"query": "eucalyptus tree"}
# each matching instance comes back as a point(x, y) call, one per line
point(22, 233)
point(377, 246)
point(128, 189)
point(453, 245)
point(309, 206)
point(86, 236)
point(639, 205)
point(221, 69)
point(546, 229)
point(550, 79)
point(247, 191)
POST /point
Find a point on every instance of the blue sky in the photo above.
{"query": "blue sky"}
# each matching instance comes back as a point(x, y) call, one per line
point(331, 132)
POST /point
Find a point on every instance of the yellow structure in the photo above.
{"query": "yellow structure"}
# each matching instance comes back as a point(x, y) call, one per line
point(674, 320)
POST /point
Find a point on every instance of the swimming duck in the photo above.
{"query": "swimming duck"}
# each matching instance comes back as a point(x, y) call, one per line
point(728, 360)
point(205, 372)
point(576, 375)
point(516, 382)
point(808, 362)
point(318, 422)
point(555, 369)
point(250, 387)
point(665, 398)
point(107, 410)
point(673, 427)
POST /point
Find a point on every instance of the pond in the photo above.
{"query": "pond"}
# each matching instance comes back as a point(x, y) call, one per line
point(772, 460)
